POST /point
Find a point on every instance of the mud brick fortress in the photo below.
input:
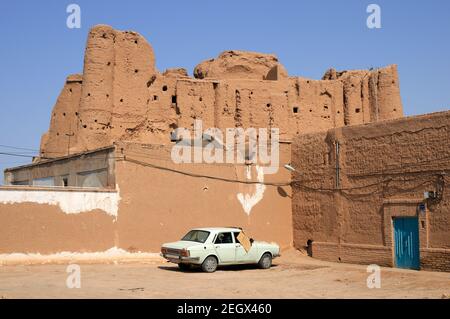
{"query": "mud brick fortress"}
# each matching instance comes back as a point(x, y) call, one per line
point(364, 173)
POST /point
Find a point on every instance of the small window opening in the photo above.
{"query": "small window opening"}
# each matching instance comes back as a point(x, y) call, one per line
point(295, 109)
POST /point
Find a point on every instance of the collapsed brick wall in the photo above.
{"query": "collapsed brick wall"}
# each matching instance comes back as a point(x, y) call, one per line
point(121, 96)
point(345, 203)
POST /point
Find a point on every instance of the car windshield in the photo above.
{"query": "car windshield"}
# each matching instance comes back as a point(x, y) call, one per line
point(199, 236)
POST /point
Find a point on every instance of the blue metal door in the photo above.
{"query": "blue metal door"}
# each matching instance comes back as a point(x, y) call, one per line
point(406, 233)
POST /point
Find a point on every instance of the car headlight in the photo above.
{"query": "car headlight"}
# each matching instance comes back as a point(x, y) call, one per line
point(185, 252)
point(163, 250)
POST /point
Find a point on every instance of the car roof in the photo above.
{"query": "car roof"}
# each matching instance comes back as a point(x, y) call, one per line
point(220, 229)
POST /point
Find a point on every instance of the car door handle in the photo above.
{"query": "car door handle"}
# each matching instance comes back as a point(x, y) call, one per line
point(217, 246)
point(238, 245)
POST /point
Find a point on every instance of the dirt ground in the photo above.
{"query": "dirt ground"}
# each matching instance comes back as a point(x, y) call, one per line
point(292, 276)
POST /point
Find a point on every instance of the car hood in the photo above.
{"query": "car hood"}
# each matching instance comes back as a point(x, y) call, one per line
point(181, 244)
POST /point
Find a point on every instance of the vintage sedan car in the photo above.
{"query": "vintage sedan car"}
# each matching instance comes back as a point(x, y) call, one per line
point(211, 247)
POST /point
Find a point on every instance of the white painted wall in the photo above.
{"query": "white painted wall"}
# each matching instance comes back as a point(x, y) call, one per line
point(70, 202)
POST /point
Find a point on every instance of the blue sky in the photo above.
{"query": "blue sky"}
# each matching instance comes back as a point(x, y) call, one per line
point(38, 51)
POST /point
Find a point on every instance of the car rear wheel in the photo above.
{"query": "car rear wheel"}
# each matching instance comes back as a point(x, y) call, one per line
point(209, 264)
point(184, 266)
point(266, 261)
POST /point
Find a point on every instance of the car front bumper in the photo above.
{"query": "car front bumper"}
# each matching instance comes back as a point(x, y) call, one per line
point(180, 259)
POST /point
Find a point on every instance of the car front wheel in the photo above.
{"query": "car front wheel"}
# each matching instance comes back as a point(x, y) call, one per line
point(209, 264)
point(266, 261)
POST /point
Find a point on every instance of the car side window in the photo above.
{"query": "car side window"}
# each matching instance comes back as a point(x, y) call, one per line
point(224, 238)
point(236, 240)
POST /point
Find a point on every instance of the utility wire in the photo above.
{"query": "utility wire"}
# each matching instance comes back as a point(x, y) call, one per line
point(19, 148)
point(17, 155)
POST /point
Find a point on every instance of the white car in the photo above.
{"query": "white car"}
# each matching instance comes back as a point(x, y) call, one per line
point(211, 247)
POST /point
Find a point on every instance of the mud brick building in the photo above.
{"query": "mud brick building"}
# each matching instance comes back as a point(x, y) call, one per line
point(355, 183)
point(105, 177)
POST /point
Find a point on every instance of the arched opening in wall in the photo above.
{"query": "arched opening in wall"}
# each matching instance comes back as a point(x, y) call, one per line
point(357, 110)
point(309, 247)
point(174, 99)
point(164, 88)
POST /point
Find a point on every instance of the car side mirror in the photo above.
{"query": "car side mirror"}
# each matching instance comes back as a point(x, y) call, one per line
point(251, 240)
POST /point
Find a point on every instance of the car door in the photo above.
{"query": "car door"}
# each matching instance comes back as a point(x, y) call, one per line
point(242, 256)
point(225, 247)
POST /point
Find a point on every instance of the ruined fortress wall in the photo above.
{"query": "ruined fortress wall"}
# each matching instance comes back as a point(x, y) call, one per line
point(383, 170)
point(122, 97)
point(64, 125)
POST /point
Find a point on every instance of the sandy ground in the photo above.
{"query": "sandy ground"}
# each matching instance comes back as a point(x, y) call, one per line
point(292, 276)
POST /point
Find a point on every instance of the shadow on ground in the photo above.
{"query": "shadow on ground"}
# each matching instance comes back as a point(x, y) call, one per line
point(224, 268)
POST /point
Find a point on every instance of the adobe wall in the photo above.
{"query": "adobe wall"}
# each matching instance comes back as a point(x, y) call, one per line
point(155, 201)
point(161, 200)
point(46, 221)
point(121, 96)
point(382, 172)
